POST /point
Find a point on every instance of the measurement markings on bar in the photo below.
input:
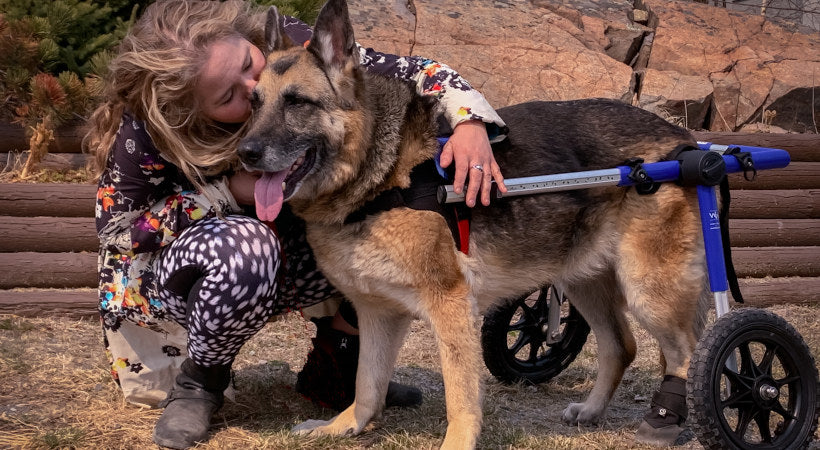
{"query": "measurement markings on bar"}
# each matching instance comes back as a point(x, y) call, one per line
point(546, 183)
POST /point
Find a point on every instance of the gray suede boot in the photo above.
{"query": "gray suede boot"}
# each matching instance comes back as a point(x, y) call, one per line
point(197, 394)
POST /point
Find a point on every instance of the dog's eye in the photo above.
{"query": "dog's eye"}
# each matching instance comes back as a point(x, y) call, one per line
point(298, 100)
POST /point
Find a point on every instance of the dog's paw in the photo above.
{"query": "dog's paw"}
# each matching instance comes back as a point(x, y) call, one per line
point(334, 427)
point(309, 426)
point(581, 414)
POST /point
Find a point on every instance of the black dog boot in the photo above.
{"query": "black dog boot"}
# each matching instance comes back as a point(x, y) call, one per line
point(663, 424)
point(328, 378)
point(197, 394)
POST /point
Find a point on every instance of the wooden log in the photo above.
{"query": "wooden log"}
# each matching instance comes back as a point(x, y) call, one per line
point(76, 234)
point(797, 175)
point(760, 262)
point(73, 303)
point(48, 270)
point(774, 232)
point(80, 303)
point(764, 292)
point(53, 161)
point(77, 200)
point(775, 204)
point(801, 147)
point(67, 139)
point(48, 234)
point(47, 199)
point(70, 270)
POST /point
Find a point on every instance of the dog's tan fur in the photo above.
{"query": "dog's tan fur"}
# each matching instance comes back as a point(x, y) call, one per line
point(611, 249)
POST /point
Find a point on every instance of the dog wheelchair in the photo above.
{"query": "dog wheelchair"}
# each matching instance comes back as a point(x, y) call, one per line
point(752, 381)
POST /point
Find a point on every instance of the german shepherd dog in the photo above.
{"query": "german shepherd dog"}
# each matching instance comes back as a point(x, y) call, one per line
point(339, 137)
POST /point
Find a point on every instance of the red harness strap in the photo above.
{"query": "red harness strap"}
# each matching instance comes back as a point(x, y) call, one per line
point(463, 233)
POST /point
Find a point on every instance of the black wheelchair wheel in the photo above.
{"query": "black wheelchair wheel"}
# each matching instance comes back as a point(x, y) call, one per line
point(753, 384)
point(517, 344)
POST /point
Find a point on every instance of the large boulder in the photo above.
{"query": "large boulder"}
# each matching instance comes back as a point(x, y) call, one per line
point(702, 66)
point(682, 99)
point(751, 63)
point(511, 51)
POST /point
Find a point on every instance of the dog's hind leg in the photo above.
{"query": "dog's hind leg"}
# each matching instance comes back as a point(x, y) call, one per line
point(381, 334)
point(669, 315)
point(600, 303)
point(663, 275)
point(452, 316)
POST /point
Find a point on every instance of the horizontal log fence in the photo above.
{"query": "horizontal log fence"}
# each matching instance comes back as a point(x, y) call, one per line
point(48, 250)
point(78, 234)
point(65, 152)
point(801, 147)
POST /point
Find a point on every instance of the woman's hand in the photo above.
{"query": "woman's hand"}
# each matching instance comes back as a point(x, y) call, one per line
point(470, 147)
point(241, 185)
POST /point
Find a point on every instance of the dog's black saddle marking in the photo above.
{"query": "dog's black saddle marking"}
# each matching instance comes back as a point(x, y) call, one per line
point(421, 195)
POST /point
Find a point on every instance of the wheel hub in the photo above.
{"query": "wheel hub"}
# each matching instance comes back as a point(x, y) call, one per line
point(768, 392)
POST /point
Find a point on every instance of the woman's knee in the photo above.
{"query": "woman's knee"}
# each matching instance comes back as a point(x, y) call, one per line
point(237, 250)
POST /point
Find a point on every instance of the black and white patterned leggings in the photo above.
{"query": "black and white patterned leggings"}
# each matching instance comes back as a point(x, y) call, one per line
point(221, 279)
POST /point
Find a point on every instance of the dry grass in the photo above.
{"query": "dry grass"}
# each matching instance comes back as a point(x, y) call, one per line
point(56, 393)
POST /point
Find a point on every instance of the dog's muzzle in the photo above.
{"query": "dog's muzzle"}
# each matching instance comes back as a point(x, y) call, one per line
point(250, 152)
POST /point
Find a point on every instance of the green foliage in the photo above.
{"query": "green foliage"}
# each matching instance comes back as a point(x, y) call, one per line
point(304, 10)
point(51, 52)
point(70, 32)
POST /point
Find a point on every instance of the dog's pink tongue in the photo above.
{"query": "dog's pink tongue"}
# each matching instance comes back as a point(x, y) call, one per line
point(268, 195)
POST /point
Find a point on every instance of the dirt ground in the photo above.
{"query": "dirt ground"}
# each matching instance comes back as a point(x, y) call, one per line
point(56, 393)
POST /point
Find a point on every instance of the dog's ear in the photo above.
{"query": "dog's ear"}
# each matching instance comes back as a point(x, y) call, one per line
point(275, 36)
point(333, 41)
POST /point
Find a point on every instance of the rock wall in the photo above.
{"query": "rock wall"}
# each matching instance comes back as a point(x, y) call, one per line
point(701, 66)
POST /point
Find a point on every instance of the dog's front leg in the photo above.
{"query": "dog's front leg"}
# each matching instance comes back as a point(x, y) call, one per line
point(452, 317)
point(380, 338)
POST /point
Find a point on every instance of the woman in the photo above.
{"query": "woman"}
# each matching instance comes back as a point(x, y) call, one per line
point(187, 273)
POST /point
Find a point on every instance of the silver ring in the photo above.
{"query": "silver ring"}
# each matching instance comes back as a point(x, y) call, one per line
point(478, 168)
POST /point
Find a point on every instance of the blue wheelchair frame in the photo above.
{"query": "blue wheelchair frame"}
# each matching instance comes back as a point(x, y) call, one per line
point(657, 172)
point(716, 389)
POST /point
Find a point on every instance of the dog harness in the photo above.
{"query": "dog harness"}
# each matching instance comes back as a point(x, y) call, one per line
point(425, 179)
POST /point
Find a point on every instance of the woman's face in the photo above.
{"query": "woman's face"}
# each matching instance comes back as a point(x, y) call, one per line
point(227, 79)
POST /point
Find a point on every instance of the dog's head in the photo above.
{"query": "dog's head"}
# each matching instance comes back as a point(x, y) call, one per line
point(306, 107)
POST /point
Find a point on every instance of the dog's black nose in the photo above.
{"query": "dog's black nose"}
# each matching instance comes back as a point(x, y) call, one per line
point(249, 152)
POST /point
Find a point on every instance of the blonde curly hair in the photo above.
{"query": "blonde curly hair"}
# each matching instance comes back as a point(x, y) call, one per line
point(154, 74)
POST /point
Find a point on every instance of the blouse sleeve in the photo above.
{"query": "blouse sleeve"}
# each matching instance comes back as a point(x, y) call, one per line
point(459, 100)
point(143, 202)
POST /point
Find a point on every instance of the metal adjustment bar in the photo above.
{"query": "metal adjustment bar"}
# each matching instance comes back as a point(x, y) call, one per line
point(544, 183)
